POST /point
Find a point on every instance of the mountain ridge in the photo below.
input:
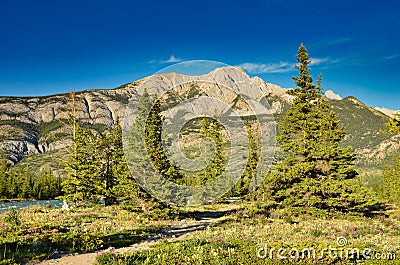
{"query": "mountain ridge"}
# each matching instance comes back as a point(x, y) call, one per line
point(38, 126)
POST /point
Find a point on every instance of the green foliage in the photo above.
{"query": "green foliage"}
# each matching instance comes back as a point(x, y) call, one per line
point(73, 241)
point(153, 140)
point(13, 217)
point(162, 213)
point(218, 251)
point(317, 171)
point(211, 130)
point(389, 188)
point(82, 179)
point(394, 124)
point(24, 185)
point(97, 167)
point(7, 262)
point(46, 186)
point(111, 162)
point(241, 188)
point(258, 209)
point(192, 251)
point(145, 151)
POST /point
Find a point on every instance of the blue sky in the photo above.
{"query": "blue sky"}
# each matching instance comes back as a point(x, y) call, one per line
point(49, 47)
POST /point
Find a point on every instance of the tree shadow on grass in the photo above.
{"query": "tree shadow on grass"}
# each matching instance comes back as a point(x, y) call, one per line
point(63, 243)
point(199, 215)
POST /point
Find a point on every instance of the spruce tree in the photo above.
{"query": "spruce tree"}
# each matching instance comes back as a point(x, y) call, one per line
point(26, 185)
point(317, 171)
point(153, 139)
point(81, 184)
point(142, 144)
point(113, 169)
point(390, 181)
point(389, 188)
point(241, 188)
point(211, 128)
point(153, 129)
point(4, 176)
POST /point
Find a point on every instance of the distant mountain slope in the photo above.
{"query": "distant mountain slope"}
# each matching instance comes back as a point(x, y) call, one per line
point(34, 130)
point(363, 127)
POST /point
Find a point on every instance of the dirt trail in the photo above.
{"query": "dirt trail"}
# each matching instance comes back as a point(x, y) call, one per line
point(173, 233)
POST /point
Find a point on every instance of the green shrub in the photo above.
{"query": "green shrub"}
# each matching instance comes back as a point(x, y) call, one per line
point(162, 214)
point(7, 262)
point(13, 217)
point(74, 241)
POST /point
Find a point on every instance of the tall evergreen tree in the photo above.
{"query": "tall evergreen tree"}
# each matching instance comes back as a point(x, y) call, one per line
point(81, 184)
point(389, 188)
point(27, 184)
point(242, 186)
point(143, 144)
point(211, 129)
point(4, 176)
point(317, 171)
point(113, 169)
point(390, 181)
point(153, 139)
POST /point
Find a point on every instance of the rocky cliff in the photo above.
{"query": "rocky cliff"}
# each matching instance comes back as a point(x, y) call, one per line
point(31, 125)
point(37, 129)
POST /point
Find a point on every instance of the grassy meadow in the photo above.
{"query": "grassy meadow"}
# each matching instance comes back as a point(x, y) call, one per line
point(237, 233)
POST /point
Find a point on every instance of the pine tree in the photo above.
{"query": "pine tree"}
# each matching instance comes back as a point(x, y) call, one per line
point(242, 186)
point(153, 139)
point(4, 176)
point(26, 185)
point(212, 130)
point(13, 188)
point(317, 171)
point(81, 184)
point(113, 169)
point(389, 188)
point(390, 181)
point(144, 152)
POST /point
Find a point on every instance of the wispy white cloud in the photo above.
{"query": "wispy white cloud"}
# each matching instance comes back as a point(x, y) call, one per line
point(326, 60)
point(317, 61)
point(362, 59)
point(282, 67)
point(339, 40)
point(172, 59)
point(261, 68)
point(390, 57)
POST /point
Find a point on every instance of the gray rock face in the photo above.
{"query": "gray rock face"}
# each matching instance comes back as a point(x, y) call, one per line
point(34, 125)
point(329, 94)
point(31, 125)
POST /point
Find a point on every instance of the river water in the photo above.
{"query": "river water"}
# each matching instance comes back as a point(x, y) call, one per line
point(18, 205)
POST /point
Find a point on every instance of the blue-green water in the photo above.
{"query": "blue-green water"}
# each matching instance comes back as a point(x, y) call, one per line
point(18, 205)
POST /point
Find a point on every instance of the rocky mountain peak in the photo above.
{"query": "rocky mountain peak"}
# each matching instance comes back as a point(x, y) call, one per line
point(388, 112)
point(329, 94)
point(39, 125)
